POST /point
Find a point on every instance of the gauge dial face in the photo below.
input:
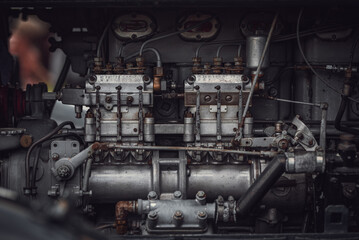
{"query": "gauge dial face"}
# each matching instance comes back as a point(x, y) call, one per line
point(134, 26)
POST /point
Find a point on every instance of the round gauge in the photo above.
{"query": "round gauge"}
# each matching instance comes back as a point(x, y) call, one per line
point(134, 26)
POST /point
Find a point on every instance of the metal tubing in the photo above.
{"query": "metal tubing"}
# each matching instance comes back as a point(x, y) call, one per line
point(261, 186)
point(114, 183)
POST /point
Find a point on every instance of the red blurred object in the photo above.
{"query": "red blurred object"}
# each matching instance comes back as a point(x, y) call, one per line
point(12, 105)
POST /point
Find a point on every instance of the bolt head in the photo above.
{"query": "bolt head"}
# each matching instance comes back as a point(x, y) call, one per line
point(177, 194)
point(152, 195)
point(229, 98)
point(201, 194)
point(152, 215)
point(178, 215)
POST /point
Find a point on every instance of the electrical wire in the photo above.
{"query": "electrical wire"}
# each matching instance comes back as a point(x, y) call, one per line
point(309, 65)
point(174, 33)
point(32, 147)
point(99, 45)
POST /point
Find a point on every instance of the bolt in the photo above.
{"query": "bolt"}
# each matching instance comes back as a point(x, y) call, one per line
point(108, 99)
point(118, 88)
point(200, 194)
point(129, 99)
point(92, 79)
point(146, 79)
point(178, 215)
point(177, 194)
point(152, 215)
point(191, 79)
point(139, 87)
point(55, 156)
point(207, 98)
point(239, 87)
point(311, 142)
point(196, 87)
point(202, 214)
point(64, 171)
point(228, 98)
point(217, 87)
point(244, 78)
point(97, 87)
point(152, 195)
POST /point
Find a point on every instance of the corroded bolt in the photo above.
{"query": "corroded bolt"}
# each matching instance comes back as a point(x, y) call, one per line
point(239, 87)
point(244, 78)
point(311, 142)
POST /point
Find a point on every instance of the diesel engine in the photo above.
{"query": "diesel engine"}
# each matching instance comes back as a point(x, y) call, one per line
point(190, 119)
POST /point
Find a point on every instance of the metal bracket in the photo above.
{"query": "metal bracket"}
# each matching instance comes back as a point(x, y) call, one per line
point(336, 219)
point(180, 162)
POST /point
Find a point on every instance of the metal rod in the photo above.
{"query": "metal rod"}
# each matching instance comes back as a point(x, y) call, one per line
point(323, 126)
point(219, 123)
point(119, 115)
point(198, 118)
point(259, 67)
point(295, 102)
point(200, 149)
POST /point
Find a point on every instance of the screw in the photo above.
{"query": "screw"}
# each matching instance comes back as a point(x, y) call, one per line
point(228, 98)
point(207, 98)
point(108, 99)
point(177, 194)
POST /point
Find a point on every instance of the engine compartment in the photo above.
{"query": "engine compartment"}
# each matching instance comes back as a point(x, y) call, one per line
point(191, 119)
